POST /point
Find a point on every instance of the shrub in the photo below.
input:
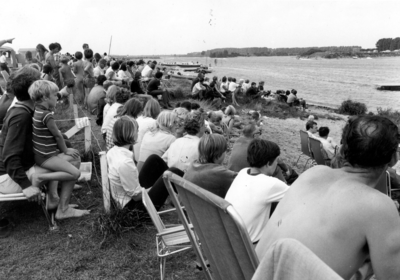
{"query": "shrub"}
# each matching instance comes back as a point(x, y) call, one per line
point(178, 93)
point(352, 108)
point(394, 116)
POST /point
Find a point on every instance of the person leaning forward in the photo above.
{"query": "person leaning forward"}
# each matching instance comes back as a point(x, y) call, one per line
point(17, 164)
point(338, 213)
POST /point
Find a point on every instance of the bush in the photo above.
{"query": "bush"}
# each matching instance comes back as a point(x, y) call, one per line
point(352, 108)
point(178, 93)
point(394, 116)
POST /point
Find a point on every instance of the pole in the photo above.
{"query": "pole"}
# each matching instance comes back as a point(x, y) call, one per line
point(109, 48)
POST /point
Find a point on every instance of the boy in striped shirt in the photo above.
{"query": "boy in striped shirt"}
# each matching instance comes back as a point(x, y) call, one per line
point(49, 146)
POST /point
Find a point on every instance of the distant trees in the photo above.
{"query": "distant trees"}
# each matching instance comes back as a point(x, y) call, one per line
point(385, 44)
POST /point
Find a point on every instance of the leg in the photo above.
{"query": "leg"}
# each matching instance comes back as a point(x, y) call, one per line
point(159, 193)
point(152, 169)
point(64, 210)
point(63, 171)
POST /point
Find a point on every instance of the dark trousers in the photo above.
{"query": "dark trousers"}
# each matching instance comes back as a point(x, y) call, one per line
point(151, 177)
point(165, 95)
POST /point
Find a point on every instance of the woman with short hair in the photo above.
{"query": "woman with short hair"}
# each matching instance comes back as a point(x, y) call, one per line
point(208, 171)
point(146, 122)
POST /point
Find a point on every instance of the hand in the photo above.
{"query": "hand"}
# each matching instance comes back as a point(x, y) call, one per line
point(72, 152)
point(33, 194)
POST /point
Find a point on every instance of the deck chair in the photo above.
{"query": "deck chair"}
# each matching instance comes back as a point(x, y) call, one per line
point(169, 240)
point(20, 196)
point(105, 183)
point(221, 231)
point(317, 151)
point(305, 148)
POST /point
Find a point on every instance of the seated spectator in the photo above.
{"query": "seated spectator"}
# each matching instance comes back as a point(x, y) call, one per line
point(120, 97)
point(312, 129)
point(96, 94)
point(327, 142)
point(148, 71)
point(132, 108)
point(233, 85)
point(111, 74)
point(102, 103)
point(17, 163)
point(47, 73)
point(224, 87)
point(6, 100)
point(195, 107)
point(123, 73)
point(196, 80)
point(208, 172)
point(146, 123)
point(184, 150)
point(215, 95)
point(228, 119)
point(238, 158)
point(99, 69)
point(125, 186)
point(185, 104)
point(246, 85)
point(154, 89)
point(181, 115)
point(252, 91)
point(215, 122)
point(157, 142)
point(323, 202)
point(292, 99)
point(254, 188)
point(135, 85)
point(198, 91)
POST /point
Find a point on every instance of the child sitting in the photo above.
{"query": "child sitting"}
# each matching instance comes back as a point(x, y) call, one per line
point(49, 146)
point(46, 73)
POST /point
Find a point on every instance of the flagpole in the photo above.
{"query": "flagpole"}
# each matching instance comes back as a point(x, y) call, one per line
point(109, 48)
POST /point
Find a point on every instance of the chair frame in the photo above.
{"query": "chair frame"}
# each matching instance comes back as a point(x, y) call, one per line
point(170, 178)
point(166, 248)
point(305, 149)
point(317, 151)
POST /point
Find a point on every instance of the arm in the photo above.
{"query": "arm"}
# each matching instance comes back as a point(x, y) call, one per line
point(51, 125)
point(383, 237)
point(129, 176)
point(61, 77)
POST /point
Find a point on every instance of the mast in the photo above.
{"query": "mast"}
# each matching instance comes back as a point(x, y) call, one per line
point(109, 48)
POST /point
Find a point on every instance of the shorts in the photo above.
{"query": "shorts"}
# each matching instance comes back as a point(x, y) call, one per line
point(8, 186)
point(41, 159)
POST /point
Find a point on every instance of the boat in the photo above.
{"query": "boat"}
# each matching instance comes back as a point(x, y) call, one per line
point(368, 57)
point(181, 64)
point(355, 57)
point(179, 75)
point(389, 87)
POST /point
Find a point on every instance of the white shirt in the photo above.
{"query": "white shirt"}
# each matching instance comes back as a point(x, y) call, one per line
point(146, 72)
point(3, 59)
point(97, 71)
point(197, 87)
point(251, 196)
point(233, 86)
point(145, 124)
point(122, 75)
point(123, 175)
point(110, 114)
point(222, 87)
point(329, 146)
point(182, 152)
point(155, 143)
point(312, 135)
point(245, 87)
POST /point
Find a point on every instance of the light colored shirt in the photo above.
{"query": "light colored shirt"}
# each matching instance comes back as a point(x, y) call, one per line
point(245, 87)
point(312, 135)
point(182, 152)
point(3, 59)
point(155, 143)
point(251, 196)
point(233, 86)
point(222, 89)
point(329, 146)
point(146, 72)
point(98, 71)
point(110, 114)
point(123, 175)
point(197, 87)
point(122, 75)
point(145, 124)
point(291, 98)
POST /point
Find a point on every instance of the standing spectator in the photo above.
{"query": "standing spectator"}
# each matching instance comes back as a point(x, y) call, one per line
point(79, 70)
point(41, 53)
point(120, 98)
point(3, 63)
point(51, 60)
point(88, 75)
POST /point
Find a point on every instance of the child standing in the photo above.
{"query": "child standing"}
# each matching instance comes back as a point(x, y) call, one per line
point(88, 81)
point(79, 69)
point(49, 146)
point(66, 76)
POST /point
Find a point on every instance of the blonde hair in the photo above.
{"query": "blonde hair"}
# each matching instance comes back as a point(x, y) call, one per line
point(152, 109)
point(211, 148)
point(181, 114)
point(166, 119)
point(125, 131)
point(110, 94)
point(230, 110)
point(40, 89)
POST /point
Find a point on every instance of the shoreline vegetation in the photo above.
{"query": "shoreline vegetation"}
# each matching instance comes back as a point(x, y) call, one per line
point(101, 246)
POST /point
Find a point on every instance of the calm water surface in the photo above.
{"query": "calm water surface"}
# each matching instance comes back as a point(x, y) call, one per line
point(321, 81)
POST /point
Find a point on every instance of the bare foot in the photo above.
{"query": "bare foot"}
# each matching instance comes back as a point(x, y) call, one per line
point(52, 202)
point(71, 213)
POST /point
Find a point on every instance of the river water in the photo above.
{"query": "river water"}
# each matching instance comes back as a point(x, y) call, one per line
point(321, 81)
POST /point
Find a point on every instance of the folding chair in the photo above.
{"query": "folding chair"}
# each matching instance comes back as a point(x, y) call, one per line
point(105, 183)
point(169, 240)
point(384, 185)
point(20, 196)
point(305, 148)
point(221, 231)
point(317, 151)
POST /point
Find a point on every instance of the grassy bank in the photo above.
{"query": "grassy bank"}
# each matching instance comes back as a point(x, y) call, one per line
point(87, 248)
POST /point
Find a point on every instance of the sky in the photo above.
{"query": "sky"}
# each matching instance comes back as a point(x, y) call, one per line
point(181, 26)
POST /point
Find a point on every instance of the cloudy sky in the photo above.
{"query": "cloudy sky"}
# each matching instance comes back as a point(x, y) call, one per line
point(182, 26)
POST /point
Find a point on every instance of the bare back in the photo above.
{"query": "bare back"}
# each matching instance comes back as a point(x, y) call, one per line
point(341, 220)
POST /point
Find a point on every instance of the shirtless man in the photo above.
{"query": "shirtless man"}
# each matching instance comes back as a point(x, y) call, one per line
point(337, 213)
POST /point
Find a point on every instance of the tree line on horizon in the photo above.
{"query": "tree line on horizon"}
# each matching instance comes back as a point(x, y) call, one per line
point(388, 44)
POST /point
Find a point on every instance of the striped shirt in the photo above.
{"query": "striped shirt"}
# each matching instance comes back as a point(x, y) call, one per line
point(44, 143)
